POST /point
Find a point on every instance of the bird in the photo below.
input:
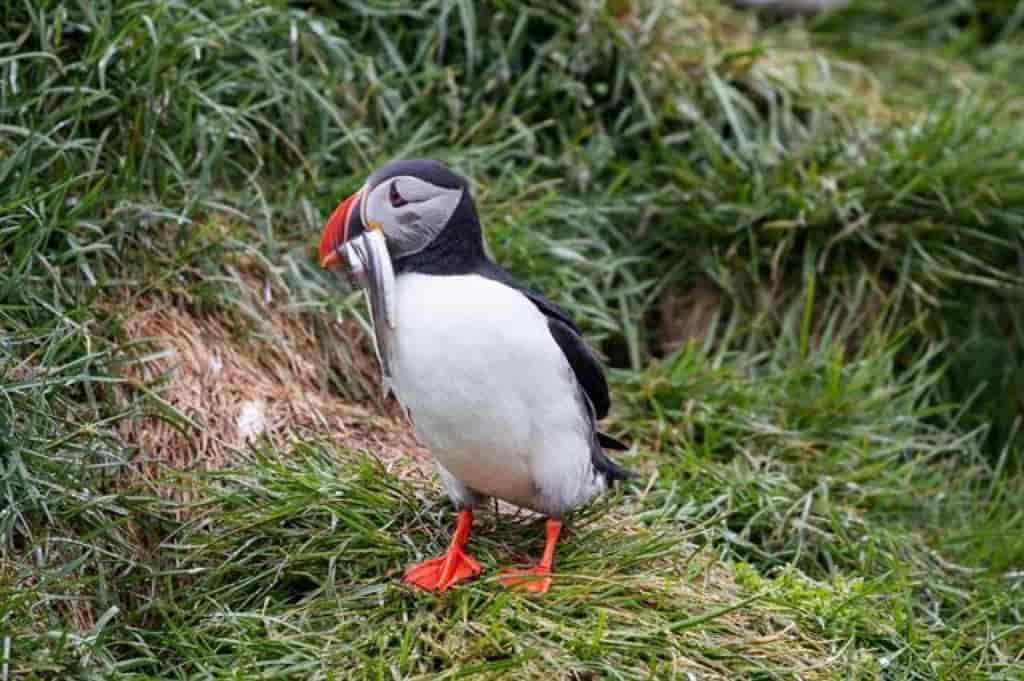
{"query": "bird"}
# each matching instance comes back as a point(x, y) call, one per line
point(497, 380)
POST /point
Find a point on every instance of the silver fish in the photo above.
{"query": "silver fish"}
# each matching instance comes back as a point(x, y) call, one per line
point(370, 264)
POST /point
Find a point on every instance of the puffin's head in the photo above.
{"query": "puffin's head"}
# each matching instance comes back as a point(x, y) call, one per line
point(410, 202)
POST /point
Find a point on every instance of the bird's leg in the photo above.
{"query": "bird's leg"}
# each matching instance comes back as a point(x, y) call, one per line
point(537, 578)
point(455, 565)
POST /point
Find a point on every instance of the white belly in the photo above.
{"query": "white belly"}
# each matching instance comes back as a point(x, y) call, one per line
point(490, 392)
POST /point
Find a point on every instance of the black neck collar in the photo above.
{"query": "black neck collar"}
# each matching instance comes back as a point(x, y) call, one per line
point(458, 249)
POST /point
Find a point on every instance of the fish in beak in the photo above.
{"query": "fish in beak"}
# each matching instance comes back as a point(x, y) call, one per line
point(366, 252)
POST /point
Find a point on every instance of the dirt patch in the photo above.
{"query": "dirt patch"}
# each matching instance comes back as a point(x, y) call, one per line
point(217, 393)
point(688, 314)
point(842, 313)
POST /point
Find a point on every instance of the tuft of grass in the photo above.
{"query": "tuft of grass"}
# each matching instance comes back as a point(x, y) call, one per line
point(818, 466)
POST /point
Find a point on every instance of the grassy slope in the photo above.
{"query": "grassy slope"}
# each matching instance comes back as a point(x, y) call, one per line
point(833, 456)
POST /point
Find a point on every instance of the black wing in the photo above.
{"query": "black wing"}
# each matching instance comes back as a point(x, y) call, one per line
point(569, 338)
point(586, 367)
point(584, 364)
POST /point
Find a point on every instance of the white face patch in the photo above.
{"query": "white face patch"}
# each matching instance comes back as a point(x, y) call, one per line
point(410, 211)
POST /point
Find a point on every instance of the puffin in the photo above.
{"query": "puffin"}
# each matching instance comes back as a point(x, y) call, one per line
point(497, 380)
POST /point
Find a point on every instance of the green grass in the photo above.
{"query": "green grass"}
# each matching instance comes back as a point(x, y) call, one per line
point(299, 574)
point(834, 472)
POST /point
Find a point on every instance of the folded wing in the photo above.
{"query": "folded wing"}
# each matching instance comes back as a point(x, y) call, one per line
point(567, 335)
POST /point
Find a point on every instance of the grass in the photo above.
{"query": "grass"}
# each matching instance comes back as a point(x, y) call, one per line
point(301, 577)
point(833, 468)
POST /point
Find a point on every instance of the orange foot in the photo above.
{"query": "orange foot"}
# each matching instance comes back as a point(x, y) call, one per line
point(455, 565)
point(534, 579)
point(440, 573)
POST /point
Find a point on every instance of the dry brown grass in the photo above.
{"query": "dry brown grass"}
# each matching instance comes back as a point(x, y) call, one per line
point(232, 390)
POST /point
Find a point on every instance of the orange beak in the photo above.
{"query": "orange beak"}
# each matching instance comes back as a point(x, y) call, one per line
point(336, 232)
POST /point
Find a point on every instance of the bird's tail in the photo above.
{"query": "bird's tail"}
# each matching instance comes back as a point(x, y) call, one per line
point(612, 471)
point(608, 442)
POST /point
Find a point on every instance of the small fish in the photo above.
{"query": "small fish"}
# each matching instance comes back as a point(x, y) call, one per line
point(370, 266)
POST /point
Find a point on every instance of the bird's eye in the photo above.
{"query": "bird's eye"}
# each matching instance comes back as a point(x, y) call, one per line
point(396, 199)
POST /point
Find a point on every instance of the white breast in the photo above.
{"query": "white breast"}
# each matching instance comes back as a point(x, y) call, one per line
point(490, 392)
